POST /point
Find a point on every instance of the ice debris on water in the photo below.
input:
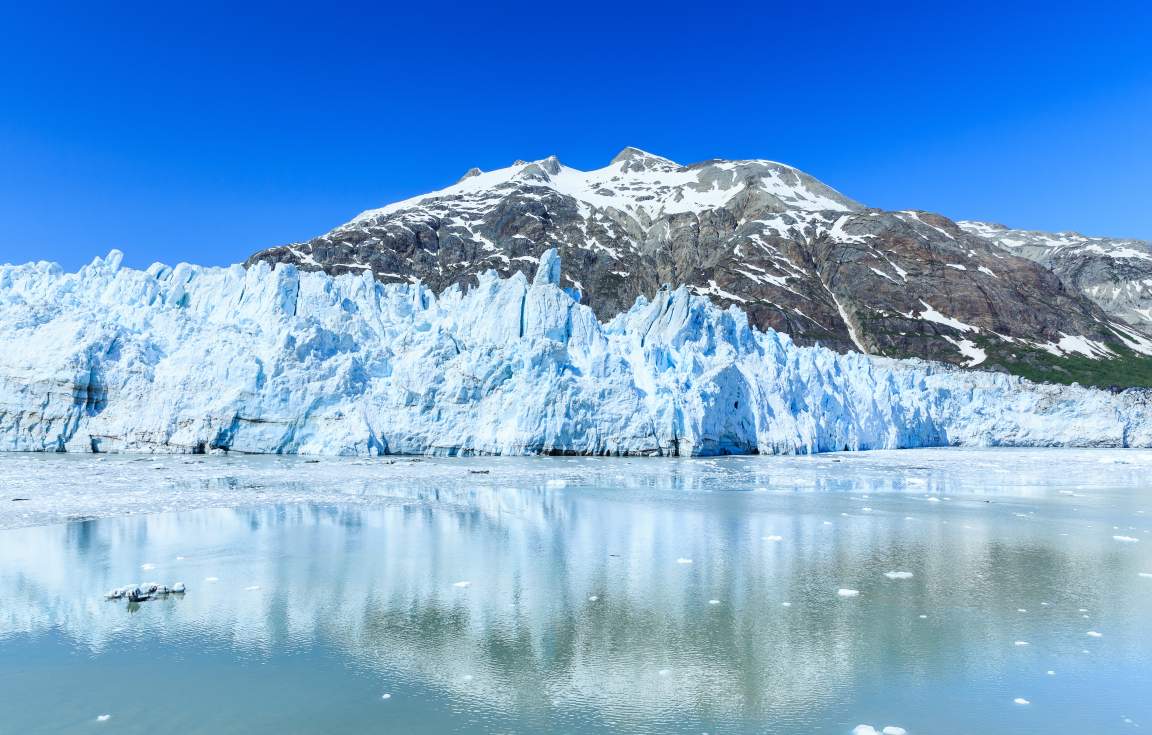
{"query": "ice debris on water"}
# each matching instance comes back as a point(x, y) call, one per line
point(1020, 700)
point(844, 592)
point(898, 575)
point(1127, 539)
point(683, 560)
point(103, 718)
point(144, 591)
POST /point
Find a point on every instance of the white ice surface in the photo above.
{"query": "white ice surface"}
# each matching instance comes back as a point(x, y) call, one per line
point(188, 359)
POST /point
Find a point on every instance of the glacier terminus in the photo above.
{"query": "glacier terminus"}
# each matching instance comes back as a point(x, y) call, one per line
point(192, 359)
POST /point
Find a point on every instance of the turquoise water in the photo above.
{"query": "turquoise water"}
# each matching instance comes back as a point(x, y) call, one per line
point(604, 607)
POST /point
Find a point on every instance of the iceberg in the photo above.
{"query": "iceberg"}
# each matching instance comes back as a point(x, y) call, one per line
point(274, 360)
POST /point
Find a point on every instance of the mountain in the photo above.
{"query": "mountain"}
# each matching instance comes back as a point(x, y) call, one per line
point(1116, 274)
point(276, 360)
point(797, 256)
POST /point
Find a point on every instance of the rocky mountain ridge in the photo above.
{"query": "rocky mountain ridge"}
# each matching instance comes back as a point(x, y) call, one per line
point(796, 255)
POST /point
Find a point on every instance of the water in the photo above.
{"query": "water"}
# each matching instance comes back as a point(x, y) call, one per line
point(581, 596)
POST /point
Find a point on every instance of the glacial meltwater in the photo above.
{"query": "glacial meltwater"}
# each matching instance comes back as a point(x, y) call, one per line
point(940, 592)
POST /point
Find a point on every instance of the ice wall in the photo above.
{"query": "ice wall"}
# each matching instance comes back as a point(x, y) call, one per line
point(191, 359)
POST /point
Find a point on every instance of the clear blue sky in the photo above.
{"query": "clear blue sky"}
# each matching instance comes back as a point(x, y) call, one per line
point(202, 132)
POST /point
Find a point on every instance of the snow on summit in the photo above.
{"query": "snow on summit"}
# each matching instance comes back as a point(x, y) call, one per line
point(640, 182)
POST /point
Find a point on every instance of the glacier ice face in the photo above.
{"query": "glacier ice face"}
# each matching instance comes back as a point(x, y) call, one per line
point(190, 359)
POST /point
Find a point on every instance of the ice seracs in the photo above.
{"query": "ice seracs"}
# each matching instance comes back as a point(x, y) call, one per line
point(191, 359)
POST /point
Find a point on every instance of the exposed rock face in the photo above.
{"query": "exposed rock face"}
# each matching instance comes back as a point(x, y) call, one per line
point(1116, 274)
point(796, 255)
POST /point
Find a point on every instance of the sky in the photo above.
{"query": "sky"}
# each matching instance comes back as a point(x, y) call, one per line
point(203, 132)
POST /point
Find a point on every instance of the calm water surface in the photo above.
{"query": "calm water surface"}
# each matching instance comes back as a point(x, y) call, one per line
point(739, 605)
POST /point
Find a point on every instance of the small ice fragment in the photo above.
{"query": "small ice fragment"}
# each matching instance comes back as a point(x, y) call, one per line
point(211, 579)
point(844, 592)
point(462, 584)
point(683, 560)
point(1021, 643)
point(933, 500)
point(179, 558)
point(894, 730)
point(663, 672)
point(1050, 672)
point(827, 523)
point(179, 588)
point(466, 677)
point(1020, 700)
point(148, 567)
point(898, 575)
point(713, 602)
point(1021, 610)
point(1127, 539)
point(865, 730)
point(103, 718)
point(252, 587)
point(385, 695)
point(593, 598)
point(923, 617)
point(866, 510)
point(1094, 634)
point(785, 604)
point(773, 538)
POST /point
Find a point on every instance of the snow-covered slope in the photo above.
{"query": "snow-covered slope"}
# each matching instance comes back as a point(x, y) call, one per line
point(275, 360)
point(1116, 274)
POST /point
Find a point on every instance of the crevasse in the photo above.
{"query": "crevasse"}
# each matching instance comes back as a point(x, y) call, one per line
point(192, 359)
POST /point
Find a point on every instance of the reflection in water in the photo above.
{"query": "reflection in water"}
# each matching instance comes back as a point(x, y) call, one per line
point(591, 608)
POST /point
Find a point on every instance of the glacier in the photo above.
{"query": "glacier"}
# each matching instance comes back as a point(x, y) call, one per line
point(191, 359)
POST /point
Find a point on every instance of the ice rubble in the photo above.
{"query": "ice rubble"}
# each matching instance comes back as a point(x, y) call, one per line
point(191, 359)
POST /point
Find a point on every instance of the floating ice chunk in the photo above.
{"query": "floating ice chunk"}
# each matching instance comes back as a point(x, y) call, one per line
point(385, 695)
point(1021, 610)
point(845, 592)
point(785, 604)
point(1050, 672)
point(894, 730)
point(683, 560)
point(713, 602)
point(1021, 643)
point(593, 598)
point(663, 672)
point(1145, 575)
point(179, 588)
point(923, 617)
point(148, 566)
point(898, 575)
point(1094, 634)
point(211, 579)
point(1020, 700)
point(773, 538)
point(462, 584)
point(865, 730)
point(103, 718)
point(1127, 539)
point(933, 500)
point(252, 588)
point(179, 558)
point(466, 677)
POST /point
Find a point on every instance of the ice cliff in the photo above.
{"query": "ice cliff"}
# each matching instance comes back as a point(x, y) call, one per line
point(191, 359)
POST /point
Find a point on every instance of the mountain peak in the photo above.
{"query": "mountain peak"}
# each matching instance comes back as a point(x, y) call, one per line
point(634, 159)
